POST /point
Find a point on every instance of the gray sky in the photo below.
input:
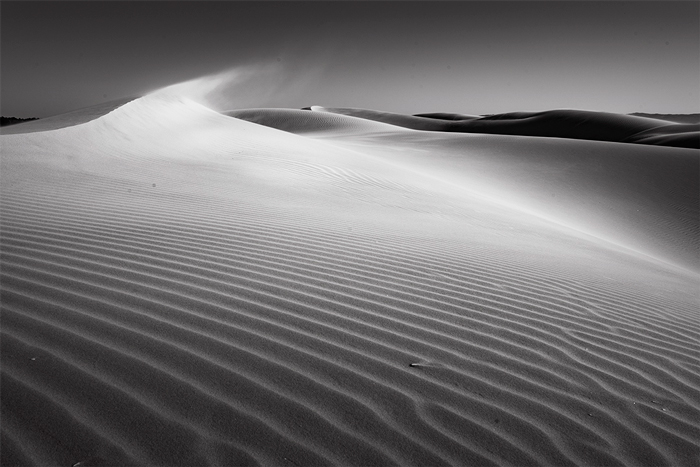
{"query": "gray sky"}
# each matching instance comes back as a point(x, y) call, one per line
point(408, 57)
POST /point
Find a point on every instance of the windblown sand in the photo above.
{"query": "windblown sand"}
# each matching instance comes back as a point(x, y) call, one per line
point(182, 287)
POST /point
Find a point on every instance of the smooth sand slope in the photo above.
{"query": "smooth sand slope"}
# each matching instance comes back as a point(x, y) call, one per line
point(65, 120)
point(181, 287)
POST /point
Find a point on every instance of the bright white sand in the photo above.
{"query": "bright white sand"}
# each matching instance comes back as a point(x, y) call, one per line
point(180, 287)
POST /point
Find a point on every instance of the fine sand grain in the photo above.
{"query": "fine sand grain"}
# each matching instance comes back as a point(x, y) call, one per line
point(181, 287)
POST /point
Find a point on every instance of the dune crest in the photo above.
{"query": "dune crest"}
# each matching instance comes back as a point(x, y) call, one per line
point(56, 122)
point(180, 287)
point(303, 122)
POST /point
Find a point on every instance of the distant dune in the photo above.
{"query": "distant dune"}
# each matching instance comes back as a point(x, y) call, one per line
point(448, 116)
point(348, 287)
point(305, 122)
point(676, 118)
point(573, 124)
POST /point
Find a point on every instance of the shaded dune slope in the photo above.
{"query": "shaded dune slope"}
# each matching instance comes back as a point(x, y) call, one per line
point(447, 116)
point(682, 135)
point(184, 288)
point(675, 118)
point(412, 122)
point(304, 122)
point(574, 124)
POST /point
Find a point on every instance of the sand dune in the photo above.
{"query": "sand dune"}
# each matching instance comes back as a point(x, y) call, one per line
point(413, 122)
point(675, 118)
point(681, 135)
point(690, 139)
point(180, 287)
point(573, 124)
point(304, 122)
point(65, 120)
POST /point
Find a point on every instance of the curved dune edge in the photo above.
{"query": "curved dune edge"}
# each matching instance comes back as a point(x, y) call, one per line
point(571, 124)
point(674, 118)
point(690, 139)
point(304, 122)
point(184, 288)
point(68, 119)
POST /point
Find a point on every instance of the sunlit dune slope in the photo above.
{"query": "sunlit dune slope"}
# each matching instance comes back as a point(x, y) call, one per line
point(65, 120)
point(640, 197)
point(180, 287)
point(574, 124)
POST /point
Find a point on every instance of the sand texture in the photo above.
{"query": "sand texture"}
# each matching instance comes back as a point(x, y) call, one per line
point(282, 287)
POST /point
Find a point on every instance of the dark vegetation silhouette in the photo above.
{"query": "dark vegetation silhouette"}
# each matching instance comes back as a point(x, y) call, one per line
point(6, 121)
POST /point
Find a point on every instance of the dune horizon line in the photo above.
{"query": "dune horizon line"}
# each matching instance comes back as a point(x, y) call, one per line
point(673, 130)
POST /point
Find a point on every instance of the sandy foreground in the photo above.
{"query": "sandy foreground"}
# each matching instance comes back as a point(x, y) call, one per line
point(309, 287)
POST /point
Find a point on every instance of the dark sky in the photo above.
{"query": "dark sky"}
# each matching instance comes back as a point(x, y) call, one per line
point(409, 57)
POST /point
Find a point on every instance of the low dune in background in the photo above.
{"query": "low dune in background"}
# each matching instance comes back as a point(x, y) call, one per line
point(675, 118)
point(295, 287)
point(565, 123)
